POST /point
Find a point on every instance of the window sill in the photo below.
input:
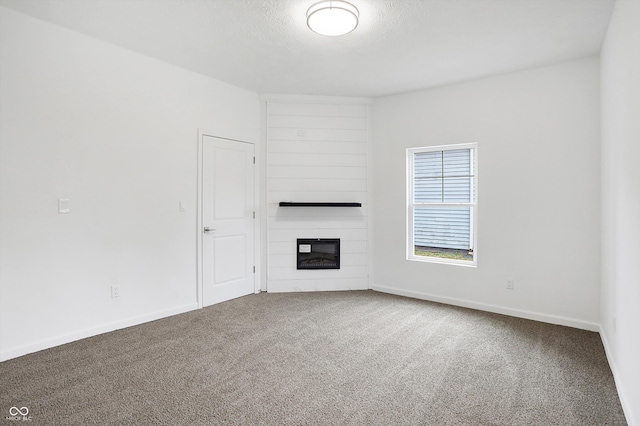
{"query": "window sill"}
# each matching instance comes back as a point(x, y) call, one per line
point(428, 259)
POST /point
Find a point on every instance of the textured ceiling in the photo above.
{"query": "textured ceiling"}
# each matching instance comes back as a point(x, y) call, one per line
point(399, 46)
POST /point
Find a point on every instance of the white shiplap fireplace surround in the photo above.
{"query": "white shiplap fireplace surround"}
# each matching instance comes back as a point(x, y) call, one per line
point(317, 150)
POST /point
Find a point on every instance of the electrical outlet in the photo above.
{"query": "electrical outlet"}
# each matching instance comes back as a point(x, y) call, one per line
point(115, 291)
point(63, 206)
point(509, 283)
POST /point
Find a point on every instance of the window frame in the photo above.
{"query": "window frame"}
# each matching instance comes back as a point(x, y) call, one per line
point(411, 205)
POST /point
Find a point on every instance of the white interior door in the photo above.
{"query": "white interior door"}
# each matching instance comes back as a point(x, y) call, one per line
point(227, 219)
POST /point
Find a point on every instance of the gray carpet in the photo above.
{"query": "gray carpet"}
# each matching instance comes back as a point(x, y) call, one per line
point(361, 358)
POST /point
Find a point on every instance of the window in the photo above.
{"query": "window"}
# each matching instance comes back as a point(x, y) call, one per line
point(441, 204)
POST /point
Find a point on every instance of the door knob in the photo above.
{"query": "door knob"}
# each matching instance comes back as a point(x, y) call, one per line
point(207, 229)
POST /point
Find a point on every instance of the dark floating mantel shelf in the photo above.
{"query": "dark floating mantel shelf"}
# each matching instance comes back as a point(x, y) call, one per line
point(318, 204)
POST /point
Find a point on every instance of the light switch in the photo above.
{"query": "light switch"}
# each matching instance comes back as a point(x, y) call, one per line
point(63, 206)
point(183, 206)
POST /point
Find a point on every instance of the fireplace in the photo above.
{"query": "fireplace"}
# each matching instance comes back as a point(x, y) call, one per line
point(318, 253)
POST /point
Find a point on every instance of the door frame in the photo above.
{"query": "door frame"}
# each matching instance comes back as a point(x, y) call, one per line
point(199, 221)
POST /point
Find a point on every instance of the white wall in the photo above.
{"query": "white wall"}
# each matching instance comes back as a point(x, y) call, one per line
point(620, 315)
point(538, 191)
point(115, 133)
point(317, 150)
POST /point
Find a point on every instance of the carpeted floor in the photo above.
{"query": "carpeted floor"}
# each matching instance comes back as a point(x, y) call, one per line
point(360, 358)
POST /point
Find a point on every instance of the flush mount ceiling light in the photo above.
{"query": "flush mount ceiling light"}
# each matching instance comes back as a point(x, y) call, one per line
point(332, 18)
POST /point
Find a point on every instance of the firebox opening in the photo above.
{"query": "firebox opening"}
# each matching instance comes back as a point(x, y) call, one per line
point(318, 253)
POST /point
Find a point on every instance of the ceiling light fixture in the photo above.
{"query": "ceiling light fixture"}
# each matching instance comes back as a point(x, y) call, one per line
point(332, 17)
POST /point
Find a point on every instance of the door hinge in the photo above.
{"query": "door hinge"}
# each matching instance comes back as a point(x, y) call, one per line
point(254, 160)
point(254, 215)
point(254, 269)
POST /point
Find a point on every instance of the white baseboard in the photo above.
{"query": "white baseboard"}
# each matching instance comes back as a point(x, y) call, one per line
point(536, 316)
point(83, 334)
point(624, 401)
point(340, 284)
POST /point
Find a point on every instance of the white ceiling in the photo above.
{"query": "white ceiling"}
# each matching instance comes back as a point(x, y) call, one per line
point(399, 46)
